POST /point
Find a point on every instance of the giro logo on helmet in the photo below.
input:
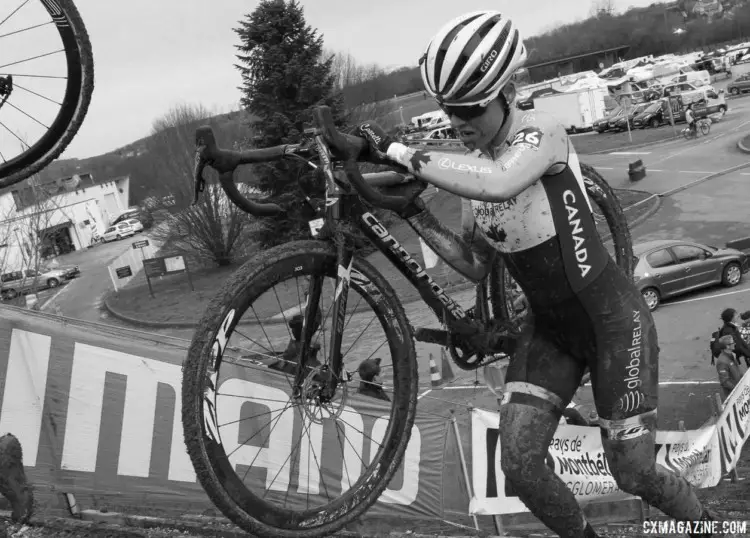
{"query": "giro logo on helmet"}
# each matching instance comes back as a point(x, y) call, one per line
point(489, 61)
point(481, 42)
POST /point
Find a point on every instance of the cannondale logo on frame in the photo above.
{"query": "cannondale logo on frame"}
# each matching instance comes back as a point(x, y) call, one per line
point(367, 129)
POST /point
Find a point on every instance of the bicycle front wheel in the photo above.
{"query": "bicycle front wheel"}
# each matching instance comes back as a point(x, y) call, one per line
point(240, 426)
point(46, 84)
point(705, 128)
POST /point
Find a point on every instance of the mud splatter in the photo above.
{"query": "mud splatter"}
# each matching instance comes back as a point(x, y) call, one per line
point(497, 234)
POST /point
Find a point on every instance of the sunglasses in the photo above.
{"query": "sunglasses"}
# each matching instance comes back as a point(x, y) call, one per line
point(465, 113)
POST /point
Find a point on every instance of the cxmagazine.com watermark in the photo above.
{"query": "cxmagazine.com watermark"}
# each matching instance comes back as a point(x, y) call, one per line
point(708, 528)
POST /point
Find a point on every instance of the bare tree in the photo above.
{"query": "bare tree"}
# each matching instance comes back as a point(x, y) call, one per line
point(601, 8)
point(214, 227)
point(348, 72)
point(28, 231)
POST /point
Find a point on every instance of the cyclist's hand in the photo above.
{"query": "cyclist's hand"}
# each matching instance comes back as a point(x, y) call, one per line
point(377, 139)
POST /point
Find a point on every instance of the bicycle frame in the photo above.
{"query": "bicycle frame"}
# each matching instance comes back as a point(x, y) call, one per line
point(346, 206)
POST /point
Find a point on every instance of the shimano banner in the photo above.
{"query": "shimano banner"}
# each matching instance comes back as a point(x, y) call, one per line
point(97, 411)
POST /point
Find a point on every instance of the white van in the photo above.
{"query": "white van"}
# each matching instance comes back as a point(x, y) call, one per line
point(696, 78)
point(663, 72)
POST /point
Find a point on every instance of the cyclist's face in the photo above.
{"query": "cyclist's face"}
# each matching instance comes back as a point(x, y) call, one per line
point(478, 131)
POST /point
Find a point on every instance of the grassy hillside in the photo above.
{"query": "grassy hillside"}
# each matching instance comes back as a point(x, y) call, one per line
point(127, 160)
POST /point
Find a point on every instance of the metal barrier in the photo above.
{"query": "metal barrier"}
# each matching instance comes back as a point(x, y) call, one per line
point(449, 144)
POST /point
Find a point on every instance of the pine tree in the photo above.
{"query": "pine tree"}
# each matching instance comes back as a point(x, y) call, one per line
point(284, 75)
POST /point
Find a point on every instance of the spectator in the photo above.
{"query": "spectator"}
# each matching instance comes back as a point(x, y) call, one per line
point(730, 328)
point(287, 362)
point(370, 384)
point(726, 366)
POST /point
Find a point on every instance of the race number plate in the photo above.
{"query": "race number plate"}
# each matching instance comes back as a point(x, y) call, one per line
point(315, 226)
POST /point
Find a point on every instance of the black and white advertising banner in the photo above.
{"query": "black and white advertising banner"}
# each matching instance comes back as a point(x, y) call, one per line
point(577, 457)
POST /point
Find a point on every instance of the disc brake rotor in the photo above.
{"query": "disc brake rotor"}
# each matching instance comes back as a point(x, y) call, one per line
point(316, 409)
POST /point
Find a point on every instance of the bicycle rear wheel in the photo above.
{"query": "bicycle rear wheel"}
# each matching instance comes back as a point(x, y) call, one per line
point(20, 90)
point(221, 441)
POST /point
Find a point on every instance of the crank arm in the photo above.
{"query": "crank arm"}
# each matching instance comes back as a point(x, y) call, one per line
point(432, 336)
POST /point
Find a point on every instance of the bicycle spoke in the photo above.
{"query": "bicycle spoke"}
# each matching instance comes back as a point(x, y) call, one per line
point(33, 58)
point(360, 335)
point(275, 421)
point(346, 467)
point(17, 75)
point(13, 12)
point(25, 29)
point(27, 115)
point(14, 134)
point(16, 86)
point(262, 329)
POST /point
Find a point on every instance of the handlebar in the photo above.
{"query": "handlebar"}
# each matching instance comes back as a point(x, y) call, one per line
point(225, 162)
point(353, 147)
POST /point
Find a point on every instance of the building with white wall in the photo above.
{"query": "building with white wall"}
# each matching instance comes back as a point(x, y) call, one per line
point(56, 217)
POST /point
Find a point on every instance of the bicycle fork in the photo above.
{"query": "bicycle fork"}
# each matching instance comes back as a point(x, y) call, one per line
point(332, 371)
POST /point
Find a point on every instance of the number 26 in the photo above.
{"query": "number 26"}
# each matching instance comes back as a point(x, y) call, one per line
point(530, 138)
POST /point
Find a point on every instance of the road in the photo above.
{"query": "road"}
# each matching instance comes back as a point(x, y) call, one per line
point(80, 298)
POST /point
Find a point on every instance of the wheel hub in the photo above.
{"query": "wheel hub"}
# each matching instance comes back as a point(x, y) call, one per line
point(317, 405)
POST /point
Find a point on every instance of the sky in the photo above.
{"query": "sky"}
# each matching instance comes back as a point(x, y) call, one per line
point(151, 55)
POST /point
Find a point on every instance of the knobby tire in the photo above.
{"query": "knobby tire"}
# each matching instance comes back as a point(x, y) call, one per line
point(213, 469)
point(80, 86)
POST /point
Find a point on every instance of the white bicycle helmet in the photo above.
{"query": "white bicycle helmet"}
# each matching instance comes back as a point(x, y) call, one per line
point(472, 58)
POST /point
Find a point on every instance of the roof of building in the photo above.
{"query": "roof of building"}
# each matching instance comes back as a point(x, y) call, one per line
point(24, 195)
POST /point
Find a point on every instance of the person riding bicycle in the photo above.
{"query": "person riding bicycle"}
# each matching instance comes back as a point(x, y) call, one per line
point(523, 193)
point(690, 118)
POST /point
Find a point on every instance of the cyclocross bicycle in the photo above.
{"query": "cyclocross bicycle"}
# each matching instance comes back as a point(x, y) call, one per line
point(284, 321)
point(46, 83)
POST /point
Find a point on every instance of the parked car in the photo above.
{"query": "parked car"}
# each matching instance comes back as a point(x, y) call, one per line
point(614, 120)
point(739, 85)
point(117, 232)
point(15, 283)
point(705, 102)
point(667, 268)
point(143, 216)
point(444, 133)
point(69, 271)
point(135, 224)
point(622, 123)
point(651, 116)
point(684, 87)
point(131, 213)
point(601, 125)
point(608, 122)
